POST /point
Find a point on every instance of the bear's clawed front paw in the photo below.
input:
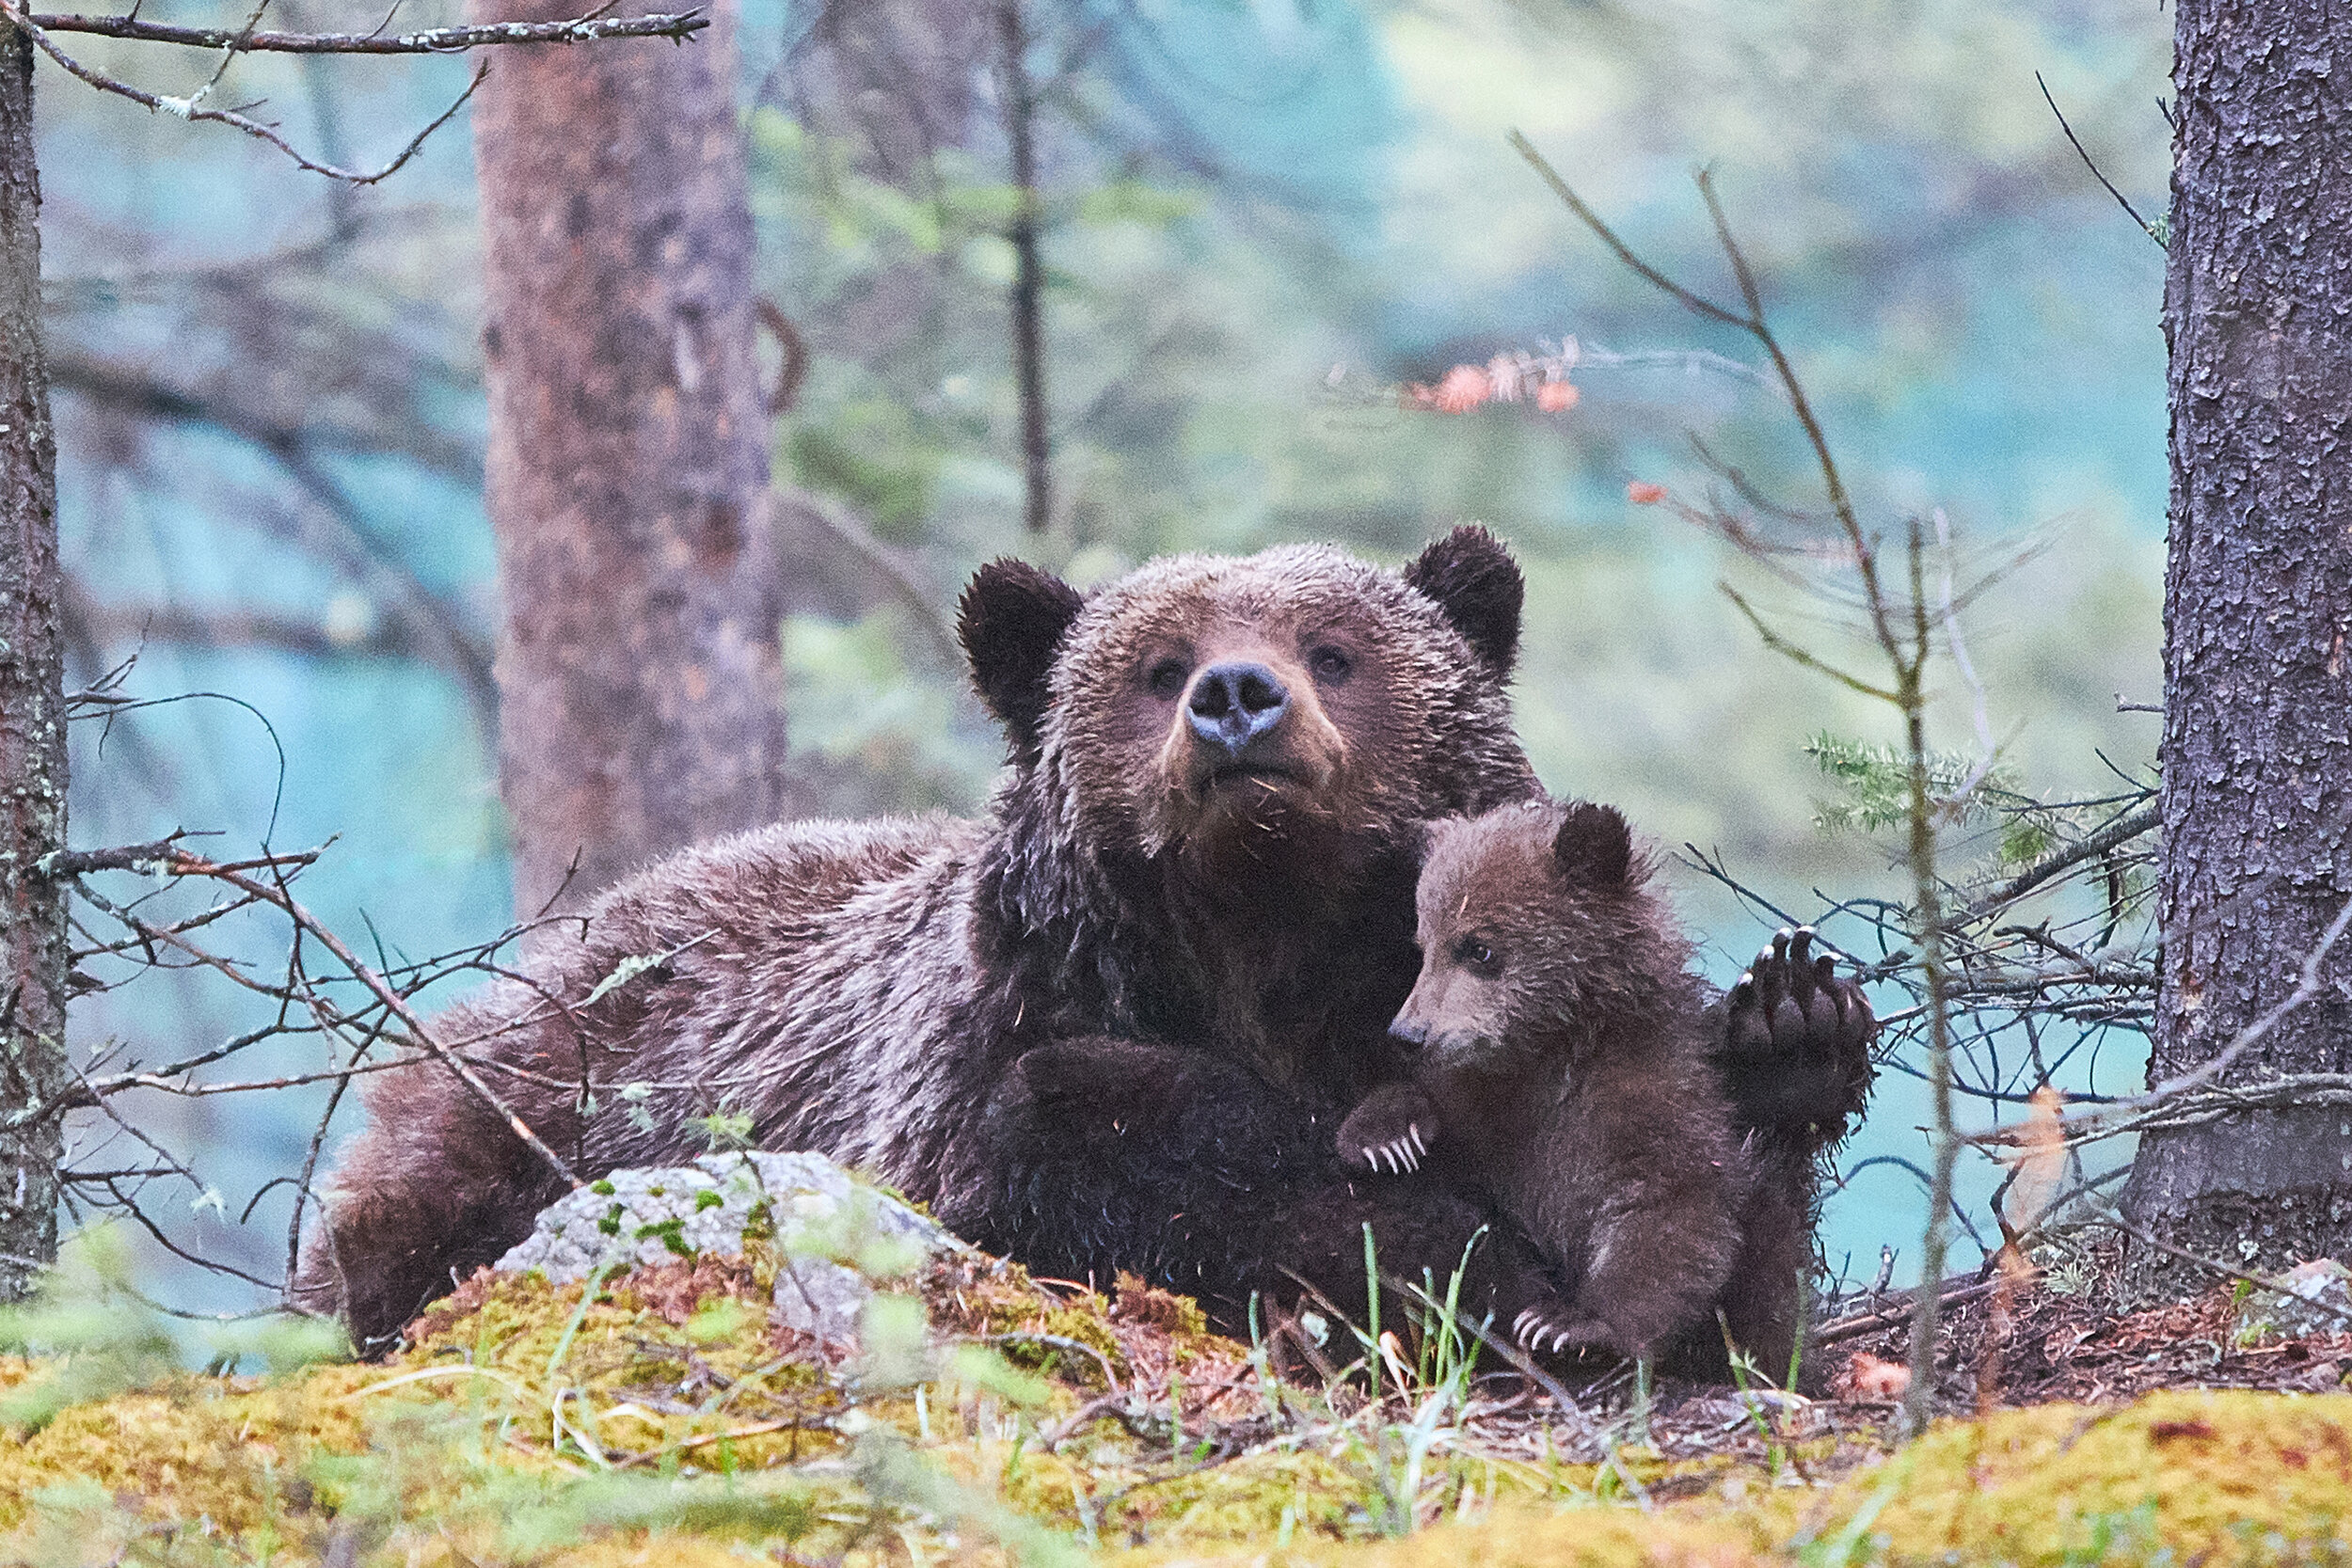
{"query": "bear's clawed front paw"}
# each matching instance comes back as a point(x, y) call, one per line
point(1542, 1331)
point(1797, 1037)
point(1391, 1133)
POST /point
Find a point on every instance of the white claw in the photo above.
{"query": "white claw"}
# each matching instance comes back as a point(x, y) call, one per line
point(1369, 1159)
point(1419, 1148)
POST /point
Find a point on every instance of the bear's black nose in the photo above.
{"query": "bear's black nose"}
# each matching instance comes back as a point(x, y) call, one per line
point(1409, 1031)
point(1233, 704)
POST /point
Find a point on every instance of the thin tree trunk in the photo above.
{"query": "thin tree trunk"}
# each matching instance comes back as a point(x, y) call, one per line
point(2257, 749)
point(1028, 327)
point(32, 709)
point(638, 680)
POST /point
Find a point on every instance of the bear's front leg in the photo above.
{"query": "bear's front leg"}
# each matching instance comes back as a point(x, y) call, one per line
point(1103, 1154)
point(1392, 1129)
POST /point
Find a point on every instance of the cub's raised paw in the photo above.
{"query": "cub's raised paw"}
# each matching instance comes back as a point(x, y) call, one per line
point(1391, 1133)
point(1542, 1331)
point(1796, 1038)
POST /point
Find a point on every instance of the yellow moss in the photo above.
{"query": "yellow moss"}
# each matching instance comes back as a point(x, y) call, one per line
point(197, 1447)
point(2194, 1472)
point(1522, 1537)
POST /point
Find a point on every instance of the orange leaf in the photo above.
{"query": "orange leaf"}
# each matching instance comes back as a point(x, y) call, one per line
point(1643, 493)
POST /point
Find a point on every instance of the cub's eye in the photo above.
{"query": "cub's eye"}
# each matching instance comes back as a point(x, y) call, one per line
point(1330, 664)
point(1476, 954)
point(1168, 678)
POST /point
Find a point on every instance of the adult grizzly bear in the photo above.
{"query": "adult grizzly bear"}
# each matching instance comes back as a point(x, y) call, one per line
point(1110, 1024)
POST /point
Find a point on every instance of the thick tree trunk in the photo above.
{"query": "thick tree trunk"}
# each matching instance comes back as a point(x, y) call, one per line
point(32, 711)
point(2257, 750)
point(641, 704)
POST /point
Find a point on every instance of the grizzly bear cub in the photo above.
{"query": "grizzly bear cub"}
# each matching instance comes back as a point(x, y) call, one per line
point(1560, 1061)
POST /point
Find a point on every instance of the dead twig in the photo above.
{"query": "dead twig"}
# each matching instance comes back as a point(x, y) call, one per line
point(433, 41)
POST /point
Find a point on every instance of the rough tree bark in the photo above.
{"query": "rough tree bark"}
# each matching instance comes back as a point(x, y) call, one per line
point(640, 704)
point(2257, 749)
point(32, 711)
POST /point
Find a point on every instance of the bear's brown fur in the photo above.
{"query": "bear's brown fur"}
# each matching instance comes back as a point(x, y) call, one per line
point(1559, 1063)
point(1164, 909)
point(1109, 1026)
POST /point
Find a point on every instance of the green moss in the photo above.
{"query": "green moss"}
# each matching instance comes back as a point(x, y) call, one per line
point(661, 1421)
point(672, 1233)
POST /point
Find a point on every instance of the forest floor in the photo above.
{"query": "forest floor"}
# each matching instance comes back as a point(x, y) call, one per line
point(662, 1419)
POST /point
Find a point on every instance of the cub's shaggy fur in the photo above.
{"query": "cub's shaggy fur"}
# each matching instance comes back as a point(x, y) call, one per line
point(1560, 1064)
point(1108, 1026)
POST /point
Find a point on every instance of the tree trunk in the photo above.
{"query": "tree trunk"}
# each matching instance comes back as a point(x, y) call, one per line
point(32, 711)
point(640, 704)
point(2257, 749)
point(1028, 273)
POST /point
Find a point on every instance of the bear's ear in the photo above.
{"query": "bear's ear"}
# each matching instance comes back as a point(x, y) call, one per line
point(1012, 619)
point(1478, 585)
point(1593, 846)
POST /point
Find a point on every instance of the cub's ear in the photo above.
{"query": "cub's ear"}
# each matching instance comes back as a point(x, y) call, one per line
point(1012, 620)
point(1593, 846)
point(1478, 585)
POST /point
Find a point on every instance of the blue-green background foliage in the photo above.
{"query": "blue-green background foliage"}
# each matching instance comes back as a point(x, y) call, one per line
point(1261, 216)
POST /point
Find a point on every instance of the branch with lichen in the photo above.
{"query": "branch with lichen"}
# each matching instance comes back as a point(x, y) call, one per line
point(193, 107)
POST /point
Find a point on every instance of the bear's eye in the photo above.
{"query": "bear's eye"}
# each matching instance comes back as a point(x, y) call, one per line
point(1330, 664)
point(1478, 954)
point(1168, 678)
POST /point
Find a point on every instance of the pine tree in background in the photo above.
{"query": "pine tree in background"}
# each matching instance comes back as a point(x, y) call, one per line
point(640, 698)
point(32, 711)
point(2257, 749)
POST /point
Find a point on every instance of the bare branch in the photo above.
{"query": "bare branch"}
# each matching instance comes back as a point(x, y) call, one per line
point(2115, 834)
point(394, 1001)
point(134, 389)
point(191, 108)
point(437, 40)
point(1696, 303)
point(183, 625)
point(2145, 227)
point(1789, 649)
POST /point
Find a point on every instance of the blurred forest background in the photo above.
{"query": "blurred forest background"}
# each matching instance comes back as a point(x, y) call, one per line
point(1261, 218)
